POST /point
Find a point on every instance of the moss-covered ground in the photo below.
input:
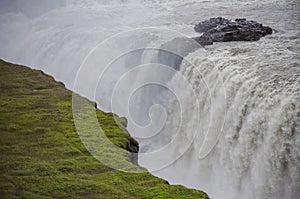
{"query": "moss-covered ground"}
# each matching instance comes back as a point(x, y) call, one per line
point(42, 155)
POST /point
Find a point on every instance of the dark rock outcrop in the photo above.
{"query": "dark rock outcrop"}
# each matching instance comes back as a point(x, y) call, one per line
point(204, 40)
point(222, 30)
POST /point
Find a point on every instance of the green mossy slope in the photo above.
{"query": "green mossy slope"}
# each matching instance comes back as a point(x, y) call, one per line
point(42, 155)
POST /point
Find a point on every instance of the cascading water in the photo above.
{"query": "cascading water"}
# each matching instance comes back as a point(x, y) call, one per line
point(257, 155)
point(248, 92)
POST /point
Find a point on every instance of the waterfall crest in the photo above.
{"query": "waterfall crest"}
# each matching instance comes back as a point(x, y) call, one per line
point(257, 155)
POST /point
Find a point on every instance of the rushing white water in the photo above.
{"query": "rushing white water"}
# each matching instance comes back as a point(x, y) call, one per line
point(248, 91)
point(257, 155)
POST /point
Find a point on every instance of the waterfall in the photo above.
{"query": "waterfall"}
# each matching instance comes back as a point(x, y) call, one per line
point(257, 154)
point(224, 118)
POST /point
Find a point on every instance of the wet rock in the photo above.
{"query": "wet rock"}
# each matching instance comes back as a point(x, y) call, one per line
point(210, 24)
point(204, 40)
point(223, 30)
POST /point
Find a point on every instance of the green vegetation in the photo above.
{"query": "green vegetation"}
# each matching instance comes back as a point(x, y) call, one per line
point(42, 155)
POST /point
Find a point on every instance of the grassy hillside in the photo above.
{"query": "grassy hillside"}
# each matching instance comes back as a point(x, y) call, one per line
point(42, 155)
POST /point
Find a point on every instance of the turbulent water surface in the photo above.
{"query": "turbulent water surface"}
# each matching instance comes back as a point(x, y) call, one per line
point(242, 96)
